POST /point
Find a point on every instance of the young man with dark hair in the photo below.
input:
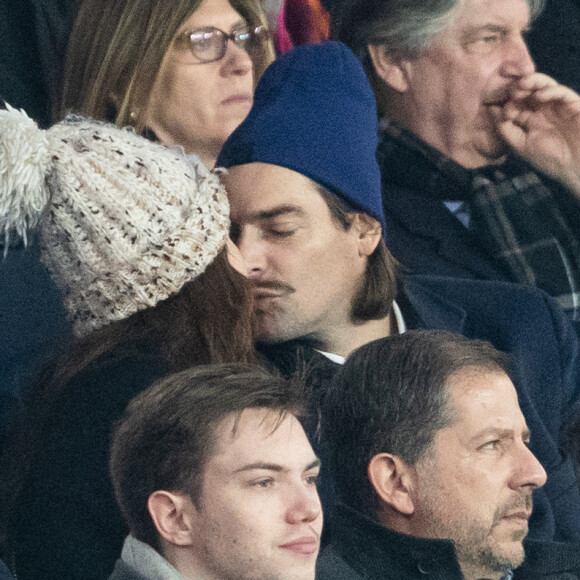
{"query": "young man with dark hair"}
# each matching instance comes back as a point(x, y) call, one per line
point(216, 479)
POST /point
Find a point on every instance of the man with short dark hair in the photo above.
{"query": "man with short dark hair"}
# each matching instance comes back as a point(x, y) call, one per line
point(433, 466)
point(305, 195)
point(216, 479)
point(479, 154)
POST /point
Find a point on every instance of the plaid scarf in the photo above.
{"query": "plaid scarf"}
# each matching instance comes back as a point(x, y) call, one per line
point(530, 228)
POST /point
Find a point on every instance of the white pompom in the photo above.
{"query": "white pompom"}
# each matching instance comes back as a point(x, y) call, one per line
point(24, 162)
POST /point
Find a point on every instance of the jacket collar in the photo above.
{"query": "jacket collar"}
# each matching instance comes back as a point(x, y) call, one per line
point(376, 551)
point(423, 307)
point(416, 179)
point(143, 559)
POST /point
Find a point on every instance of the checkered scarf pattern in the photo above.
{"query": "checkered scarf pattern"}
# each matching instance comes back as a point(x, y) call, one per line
point(517, 219)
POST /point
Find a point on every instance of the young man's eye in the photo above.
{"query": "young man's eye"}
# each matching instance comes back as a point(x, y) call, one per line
point(263, 483)
point(313, 479)
point(282, 233)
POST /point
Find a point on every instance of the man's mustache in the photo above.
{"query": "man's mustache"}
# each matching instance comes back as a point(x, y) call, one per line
point(273, 285)
point(518, 503)
point(496, 96)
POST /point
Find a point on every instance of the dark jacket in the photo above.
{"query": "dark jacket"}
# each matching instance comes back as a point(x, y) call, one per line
point(33, 39)
point(5, 572)
point(67, 523)
point(33, 328)
point(360, 548)
point(428, 239)
point(527, 324)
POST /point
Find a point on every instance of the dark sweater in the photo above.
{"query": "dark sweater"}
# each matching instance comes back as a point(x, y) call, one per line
point(67, 523)
point(360, 548)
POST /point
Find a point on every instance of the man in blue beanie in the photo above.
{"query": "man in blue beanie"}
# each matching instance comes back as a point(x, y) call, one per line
point(305, 196)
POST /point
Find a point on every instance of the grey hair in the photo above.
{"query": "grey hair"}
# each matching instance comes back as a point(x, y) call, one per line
point(402, 26)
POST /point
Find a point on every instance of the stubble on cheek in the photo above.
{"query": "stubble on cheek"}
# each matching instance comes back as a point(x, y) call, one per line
point(495, 549)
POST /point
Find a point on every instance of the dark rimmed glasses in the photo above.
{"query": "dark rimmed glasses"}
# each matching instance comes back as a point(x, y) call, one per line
point(210, 44)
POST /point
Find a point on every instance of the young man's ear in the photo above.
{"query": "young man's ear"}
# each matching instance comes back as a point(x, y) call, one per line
point(171, 514)
point(388, 68)
point(369, 232)
point(392, 480)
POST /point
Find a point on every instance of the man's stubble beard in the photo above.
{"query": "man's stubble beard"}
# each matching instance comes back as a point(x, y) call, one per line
point(475, 545)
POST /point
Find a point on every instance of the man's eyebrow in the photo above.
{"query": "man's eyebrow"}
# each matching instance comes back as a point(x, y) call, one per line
point(315, 463)
point(499, 433)
point(273, 466)
point(260, 465)
point(488, 432)
point(475, 30)
point(278, 211)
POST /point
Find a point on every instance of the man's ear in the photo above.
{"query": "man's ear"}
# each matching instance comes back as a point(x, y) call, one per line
point(392, 481)
point(171, 514)
point(388, 68)
point(369, 233)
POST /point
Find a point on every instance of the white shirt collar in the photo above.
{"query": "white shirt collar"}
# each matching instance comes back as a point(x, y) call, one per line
point(401, 327)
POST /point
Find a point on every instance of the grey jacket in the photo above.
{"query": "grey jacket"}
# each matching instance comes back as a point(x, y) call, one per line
point(140, 561)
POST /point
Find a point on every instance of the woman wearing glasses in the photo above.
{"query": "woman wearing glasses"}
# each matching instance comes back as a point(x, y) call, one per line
point(182, 71)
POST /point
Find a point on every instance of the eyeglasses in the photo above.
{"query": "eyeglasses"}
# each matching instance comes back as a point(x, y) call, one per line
point(210, 44)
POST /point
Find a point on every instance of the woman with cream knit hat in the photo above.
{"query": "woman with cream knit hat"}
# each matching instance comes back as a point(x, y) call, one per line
point(134, 235)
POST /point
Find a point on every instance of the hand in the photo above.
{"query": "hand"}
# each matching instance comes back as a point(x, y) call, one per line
point(541, 122)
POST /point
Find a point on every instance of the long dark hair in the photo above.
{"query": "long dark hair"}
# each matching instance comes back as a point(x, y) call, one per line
point(208, 321)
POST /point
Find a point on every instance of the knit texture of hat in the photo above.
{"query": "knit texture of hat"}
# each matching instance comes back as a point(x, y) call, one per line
point(124, 223)
point(315, 113)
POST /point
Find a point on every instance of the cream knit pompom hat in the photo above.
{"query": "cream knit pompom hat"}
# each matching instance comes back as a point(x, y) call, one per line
point(124, 222)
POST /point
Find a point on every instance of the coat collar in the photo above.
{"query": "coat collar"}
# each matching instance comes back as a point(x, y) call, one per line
point(141, 558)
point(377, 552)
point(416, 179)
point(423, 307)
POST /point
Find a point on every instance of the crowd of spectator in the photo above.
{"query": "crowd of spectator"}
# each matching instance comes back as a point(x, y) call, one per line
point(290, 290)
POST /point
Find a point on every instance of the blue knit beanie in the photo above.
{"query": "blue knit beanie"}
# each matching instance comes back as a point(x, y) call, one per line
point(314, 112)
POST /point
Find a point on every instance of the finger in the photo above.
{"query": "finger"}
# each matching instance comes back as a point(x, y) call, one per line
point(556, 93)
point(513, 134)
point(542, 88)
point(535, 81)
point(513, 110)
